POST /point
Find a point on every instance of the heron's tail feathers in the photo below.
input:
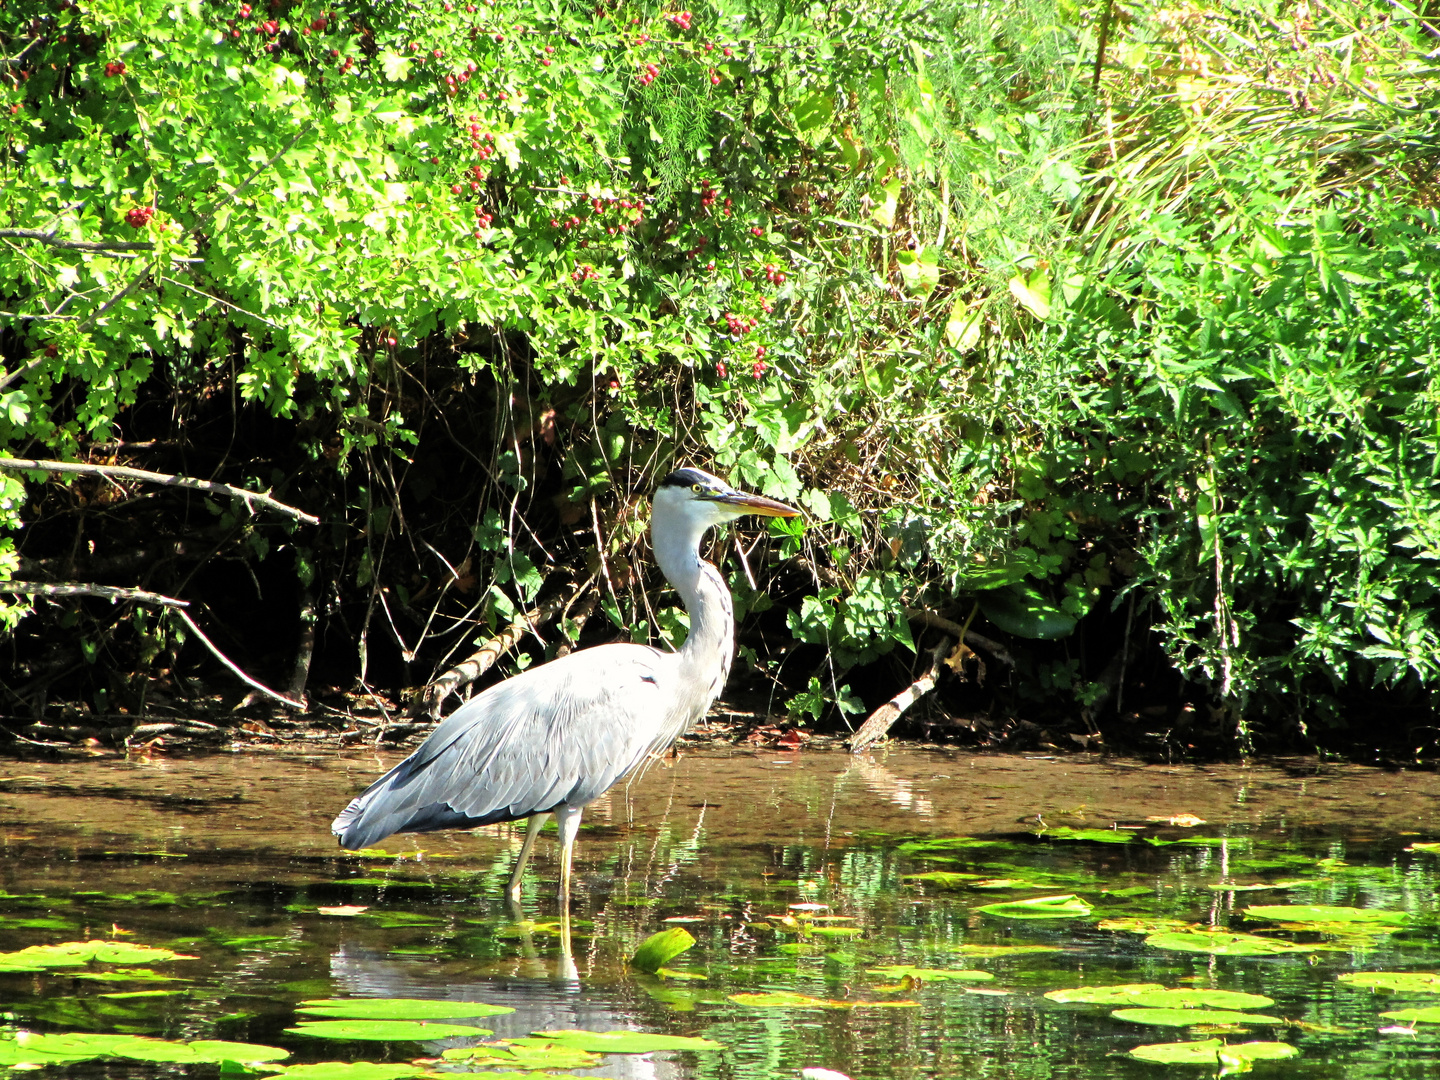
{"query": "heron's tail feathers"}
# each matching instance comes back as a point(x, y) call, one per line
point(390, 806)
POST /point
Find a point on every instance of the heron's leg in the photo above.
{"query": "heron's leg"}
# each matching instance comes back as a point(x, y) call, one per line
point(568, 818)
point(535, 824)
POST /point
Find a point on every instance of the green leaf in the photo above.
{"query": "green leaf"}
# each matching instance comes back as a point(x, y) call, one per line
point(1019, 609)
point(783, 999)
point(899, 971)
point(398, 1009)
point(354, 1070)
point(1067, 906)
point(1428, 1015)
point(622, 1041)
point(963, 326)
point(1212, 1052)
point(1154, 996)
point(80, 953)
point(383, 1030)
point(523, 1054)
point(1032, 292)
point(919, 271)
point(1402, 982)
point(659, 949)
point(1087, 836)
point(1225, 943)
point(395, 66)
point(1192, 1017)
point(1319, 913)
point(887, 201)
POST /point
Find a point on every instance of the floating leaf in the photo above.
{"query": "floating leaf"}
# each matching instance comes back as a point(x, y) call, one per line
point(900, 971)
point(1154, 996)
point(1146, 925)
point(355, 1070)
point(835, 931)
point(1212, 1051)
point(1429, 1015)
point(80, 953)
point(657, 950)
point(1067, 906)
point(949, 843)
point(624, 1041)
point(383, 1030)
point(1317, 913)
point(1002, 950)
point(398, 1009)
point(78, 1046)
point(785, 1000)
point(128, 975)
point(523, 1054)
point(1225, 943)
point(1088, 836)
point(1192, 1017)
point(944, 878)
point(1403, 982)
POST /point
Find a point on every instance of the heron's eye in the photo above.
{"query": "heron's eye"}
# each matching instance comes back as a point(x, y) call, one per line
point(699, 489)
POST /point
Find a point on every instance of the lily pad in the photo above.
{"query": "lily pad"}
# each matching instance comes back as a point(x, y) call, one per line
point(1192, 1017)
point(785, 1000)
point(80, 953)
point(354, 1070)
point(943, 878)
point(624, 1041)
point(1086, 836)
point(900, 971)
point(835, 931)
point(951, 843)
point(1066, 906)
point(128, 975)
point(1429, 1015)
point(1225, 943)
point(1002, 950)
point(1212, 1052)
point(78, 1046)
point(398, 1009)
point(523, 1054)
point(383, 1030)
point(1318, 913)
point(1403, 982)
point(1154, 996)
point(657, 950)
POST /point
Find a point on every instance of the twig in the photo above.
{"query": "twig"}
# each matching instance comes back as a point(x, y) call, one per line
point(75, 588)
point(246, 679)
point(879, 722)
point(482, 659)
point(124, 472)
point(76, 245)
point(971, 637)
point(22, 371)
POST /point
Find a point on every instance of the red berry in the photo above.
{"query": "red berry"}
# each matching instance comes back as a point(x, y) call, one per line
point(720, 369)
point(391, 342)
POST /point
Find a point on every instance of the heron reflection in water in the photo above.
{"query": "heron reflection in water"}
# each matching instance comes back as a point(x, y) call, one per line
point(554, 738)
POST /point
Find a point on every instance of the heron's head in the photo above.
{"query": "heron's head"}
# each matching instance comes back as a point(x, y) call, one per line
point(704, 500)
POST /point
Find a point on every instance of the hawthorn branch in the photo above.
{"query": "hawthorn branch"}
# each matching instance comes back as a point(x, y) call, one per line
point(76, 588)
point(124, 472)
point(246, 679)
point(76, 245)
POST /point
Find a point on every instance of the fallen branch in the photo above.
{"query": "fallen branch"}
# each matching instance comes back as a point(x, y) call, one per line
point(124, 472)
point(481, 660)
point(75, 588)
point(246, 679)
point(971, 637)
point(879, 722)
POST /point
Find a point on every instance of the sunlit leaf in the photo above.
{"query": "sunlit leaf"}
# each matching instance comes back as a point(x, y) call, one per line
point(659, 949)
point(944, 878)
point(80, 953)
point(523, 1054)
point(1209, 1052)
point(1067, 906)
point(1225, 943)
point(1021, 610)
point(1316, 913)
point(782, 999)
point(355, 1070)
point(900, 971)
point(398, 1009)
point(1154, 996)
point(1427, 1015)
point(1404, 982)
point(79, 1045)
point(383, 1030)
point(1192, 1017)
point(1089, 836)
point(1002, 950)
point(1032, 292)
point(623, 1041)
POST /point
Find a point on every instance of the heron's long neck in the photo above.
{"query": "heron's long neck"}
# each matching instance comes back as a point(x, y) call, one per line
point(710, 645)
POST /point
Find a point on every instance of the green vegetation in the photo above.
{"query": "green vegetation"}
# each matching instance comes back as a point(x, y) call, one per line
point(1106, 330)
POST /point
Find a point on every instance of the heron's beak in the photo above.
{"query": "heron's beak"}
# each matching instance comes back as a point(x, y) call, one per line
point(745, 503)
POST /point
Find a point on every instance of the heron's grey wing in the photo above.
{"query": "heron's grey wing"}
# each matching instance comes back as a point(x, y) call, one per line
point(558, 734)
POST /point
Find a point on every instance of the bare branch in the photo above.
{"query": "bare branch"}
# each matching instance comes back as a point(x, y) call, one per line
point(246, 679)
point(76, 588)
point(77, 245)
point(124, 472)
point(972, 637)
point(879, 722)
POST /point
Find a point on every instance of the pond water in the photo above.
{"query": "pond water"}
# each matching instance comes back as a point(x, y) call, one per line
point(848, 914)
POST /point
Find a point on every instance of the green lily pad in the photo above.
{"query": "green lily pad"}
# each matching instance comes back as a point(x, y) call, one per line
point(1192, 1017)
point(383, 1030)
point(782, 999)
point(1403, 982)
point(78, 1046)
point(1002, 950)
point(1066, 906)
point(1225, 943)
point(1147, 925)
point(1086, 836)
point(944, 878)
point(834, 931)
point(123, 995)
point(624, 1041)
point(523, 1054)
point(1319, 913)
point(80, 953)
point(1154, 996)
point(1430, 1015)
point(1192, 841)
point(398, 1009)
point(899, 971)
point(951, 843)
point(128, 975)
point(354, 1070)
point(1212, 1052)
point(657, 950)
point(1427, 845)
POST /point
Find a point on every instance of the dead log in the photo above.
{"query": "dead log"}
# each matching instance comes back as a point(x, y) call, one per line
point(880, 721)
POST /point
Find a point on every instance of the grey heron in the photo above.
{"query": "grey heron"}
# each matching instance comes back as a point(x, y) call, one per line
point(554, 738)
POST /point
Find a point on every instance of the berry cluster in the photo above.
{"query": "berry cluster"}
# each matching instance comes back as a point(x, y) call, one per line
point(482, 144)
point(584, 273)
point(648, 73)
point(138, 217)
point(736, 326)
point(114, 68)
point(720, 369)
point(482, 218)
point(708, 195)
point(680, 19)
point(714, 77)
point(759, 367)
point(773, 275)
